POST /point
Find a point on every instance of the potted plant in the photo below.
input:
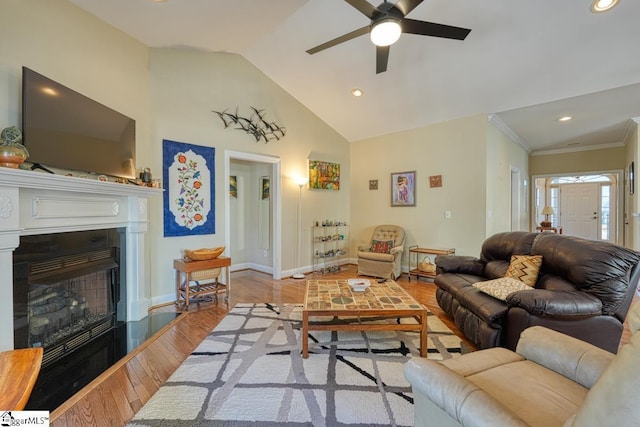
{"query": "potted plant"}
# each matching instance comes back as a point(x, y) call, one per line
point(12, 152)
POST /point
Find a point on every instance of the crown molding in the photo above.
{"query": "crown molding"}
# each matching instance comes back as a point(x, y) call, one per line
point(502, 126)
point(631, 126)
point(575, 149)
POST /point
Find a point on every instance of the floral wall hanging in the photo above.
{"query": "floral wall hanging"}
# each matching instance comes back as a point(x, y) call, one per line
point(189, 197)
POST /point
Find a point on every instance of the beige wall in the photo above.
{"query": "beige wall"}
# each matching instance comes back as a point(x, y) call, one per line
point(578, 161)
point(503, 157)
point(186, 86)
point(457, 151)
point(632, 202)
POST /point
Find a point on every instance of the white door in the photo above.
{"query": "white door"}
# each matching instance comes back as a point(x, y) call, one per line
point(579, 210)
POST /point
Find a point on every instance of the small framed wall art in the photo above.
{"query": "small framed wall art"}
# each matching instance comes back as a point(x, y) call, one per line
point(435, 181)
point(233, 186)
point(403, 188)
point(373, 184)
point(324, 175)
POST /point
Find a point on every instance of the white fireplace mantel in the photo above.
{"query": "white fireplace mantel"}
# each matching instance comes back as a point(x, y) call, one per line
point(41, 203)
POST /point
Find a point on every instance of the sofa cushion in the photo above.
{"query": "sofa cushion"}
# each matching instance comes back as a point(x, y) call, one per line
point(613, 400)
point(502, 245)
point(525, 268)
point(459, 264)
point(502, 287)
point(496, 269)
point(381, 246)
point(595, 267)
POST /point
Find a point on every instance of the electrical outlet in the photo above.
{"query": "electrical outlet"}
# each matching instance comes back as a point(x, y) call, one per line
point(447, 214)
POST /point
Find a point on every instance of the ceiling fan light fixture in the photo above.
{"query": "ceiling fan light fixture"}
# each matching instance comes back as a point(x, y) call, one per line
point(385, 32)
point(599, 6)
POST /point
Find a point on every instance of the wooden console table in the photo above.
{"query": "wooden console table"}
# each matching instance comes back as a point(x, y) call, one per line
point(416, 250)
point(549, 229)
point(184, 271)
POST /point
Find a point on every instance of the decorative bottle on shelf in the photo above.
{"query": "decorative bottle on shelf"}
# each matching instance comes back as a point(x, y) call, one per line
point(12, 152)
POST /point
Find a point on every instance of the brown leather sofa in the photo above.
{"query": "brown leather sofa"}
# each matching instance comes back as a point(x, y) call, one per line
point(584, 289)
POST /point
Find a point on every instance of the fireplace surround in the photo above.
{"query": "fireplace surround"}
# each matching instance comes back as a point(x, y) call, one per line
point(37, 203)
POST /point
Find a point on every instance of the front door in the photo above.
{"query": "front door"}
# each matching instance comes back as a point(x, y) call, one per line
point(580, 211)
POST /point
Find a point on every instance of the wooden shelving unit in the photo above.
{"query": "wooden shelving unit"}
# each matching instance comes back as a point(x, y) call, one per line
point(414, 253)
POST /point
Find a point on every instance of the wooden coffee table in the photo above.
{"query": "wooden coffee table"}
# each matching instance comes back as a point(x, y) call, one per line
point(335, 298)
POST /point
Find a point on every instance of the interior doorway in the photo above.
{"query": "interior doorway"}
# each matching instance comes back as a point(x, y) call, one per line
point(588, 205)
point(253, 212)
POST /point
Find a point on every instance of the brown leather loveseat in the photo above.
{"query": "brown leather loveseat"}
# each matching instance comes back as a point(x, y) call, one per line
point(584, 289)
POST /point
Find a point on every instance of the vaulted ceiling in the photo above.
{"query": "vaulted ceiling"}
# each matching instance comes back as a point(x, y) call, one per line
point(525, 63)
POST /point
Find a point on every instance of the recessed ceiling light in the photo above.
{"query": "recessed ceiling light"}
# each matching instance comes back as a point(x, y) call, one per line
point(564, 118)
point(356, 92)
point(599, 6)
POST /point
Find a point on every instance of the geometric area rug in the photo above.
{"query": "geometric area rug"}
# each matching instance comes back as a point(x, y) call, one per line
point(249, 371)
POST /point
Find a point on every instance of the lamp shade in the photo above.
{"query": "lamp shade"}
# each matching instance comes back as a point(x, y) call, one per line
point(385, 32)
point(548, 210)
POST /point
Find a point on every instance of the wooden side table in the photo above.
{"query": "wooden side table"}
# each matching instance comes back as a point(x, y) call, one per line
point(549, 229)
point(184, 270)
point(19, 371)
point(416, 250)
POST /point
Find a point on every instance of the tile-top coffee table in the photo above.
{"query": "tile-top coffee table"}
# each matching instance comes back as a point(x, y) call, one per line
point(336, 298)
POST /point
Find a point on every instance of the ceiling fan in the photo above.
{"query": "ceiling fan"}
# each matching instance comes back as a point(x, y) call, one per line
point(388, 22)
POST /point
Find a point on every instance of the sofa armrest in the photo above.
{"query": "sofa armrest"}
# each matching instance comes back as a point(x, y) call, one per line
point(462, 400)
point(557, 304)
point(459, 264)
point(570, 357)
point(364, 247)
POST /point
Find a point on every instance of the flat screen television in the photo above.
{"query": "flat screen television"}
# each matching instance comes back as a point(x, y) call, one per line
point(66, 130)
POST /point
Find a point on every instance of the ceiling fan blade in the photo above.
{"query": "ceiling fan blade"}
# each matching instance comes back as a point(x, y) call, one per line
point(346, 37)
point(364, 7)
point(382, 58)
point(407, 6)
point(423, 28)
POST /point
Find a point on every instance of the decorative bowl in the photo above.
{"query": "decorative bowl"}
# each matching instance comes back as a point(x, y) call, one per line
point(359, 285)
point(204, 254)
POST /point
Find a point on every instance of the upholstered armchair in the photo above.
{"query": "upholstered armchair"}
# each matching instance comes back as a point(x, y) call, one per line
point(382, 256)
point(551, 379)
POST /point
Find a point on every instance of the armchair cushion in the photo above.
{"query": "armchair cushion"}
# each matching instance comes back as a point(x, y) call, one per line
point(381, 246)
point(525, 268)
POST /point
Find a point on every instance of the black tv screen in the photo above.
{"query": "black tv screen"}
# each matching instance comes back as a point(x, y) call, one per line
point(67, 130)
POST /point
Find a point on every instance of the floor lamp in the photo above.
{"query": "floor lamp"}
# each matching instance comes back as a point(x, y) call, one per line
point(301, 182)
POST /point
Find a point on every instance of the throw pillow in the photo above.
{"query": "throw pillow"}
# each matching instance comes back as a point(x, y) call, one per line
point(500, 288)
point(525, 268)
point(381, 246)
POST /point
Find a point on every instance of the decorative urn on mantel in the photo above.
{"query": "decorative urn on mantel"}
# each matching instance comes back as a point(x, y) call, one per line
point(12, 152)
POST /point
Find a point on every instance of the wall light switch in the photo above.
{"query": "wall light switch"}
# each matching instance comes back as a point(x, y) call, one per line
point(447, 214)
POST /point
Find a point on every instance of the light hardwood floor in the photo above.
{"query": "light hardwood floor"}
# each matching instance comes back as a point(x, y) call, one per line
point(114, 397)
